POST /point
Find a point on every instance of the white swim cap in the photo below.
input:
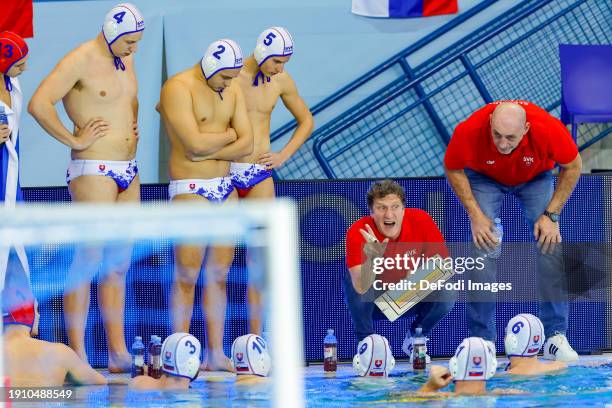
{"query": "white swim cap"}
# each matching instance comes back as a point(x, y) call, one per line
point(181, 355)
point(220, 55)
point(373, 358)
point(524, 336)
point(273, 42)
point(123, 19)
point(250, 356)
point(473, 361)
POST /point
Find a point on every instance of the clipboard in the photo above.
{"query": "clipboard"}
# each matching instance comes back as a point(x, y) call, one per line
point(394, 303)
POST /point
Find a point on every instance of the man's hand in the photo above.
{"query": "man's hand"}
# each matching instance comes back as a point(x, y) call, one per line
point(5, 133)
point(232, 135)
point(92, 131)
point(271, 160)
point(547, 233)
point(373, 248)
point(482, 232)
point(439, 377)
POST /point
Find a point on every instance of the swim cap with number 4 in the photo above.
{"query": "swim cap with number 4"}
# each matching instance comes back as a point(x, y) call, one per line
point(124, 18)
point(273, 42)
point(181, 355)
point(250, 356)
point(220, 55)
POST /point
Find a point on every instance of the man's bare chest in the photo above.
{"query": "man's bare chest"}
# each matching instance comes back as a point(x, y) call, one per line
point(261, 99)
point(107, 85)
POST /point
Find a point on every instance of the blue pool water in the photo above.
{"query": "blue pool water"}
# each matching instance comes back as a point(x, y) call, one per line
point(587, 384)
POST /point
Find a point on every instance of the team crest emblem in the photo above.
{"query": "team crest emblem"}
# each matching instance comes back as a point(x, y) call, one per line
point(239, 356)
point(168, 355)
point(477, 360)
point(536, 339)
point(191, 186)
point(102, 167)
point(378, 363)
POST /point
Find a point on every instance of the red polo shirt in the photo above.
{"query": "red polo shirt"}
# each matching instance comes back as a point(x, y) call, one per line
point(419, 235)
point(547, 142)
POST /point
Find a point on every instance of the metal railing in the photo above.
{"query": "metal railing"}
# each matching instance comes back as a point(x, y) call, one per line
point(403, 127)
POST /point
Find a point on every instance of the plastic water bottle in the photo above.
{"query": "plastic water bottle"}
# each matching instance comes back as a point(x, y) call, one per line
point(330, 351)
point(149, 354)
point(137, 357)
point(419, 350)
point(154, 368)
point(499, 234)
point(3, 117)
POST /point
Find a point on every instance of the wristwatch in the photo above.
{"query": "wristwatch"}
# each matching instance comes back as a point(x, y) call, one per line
point(554, 217)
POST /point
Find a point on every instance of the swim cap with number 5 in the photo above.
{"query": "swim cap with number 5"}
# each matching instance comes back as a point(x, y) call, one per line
point(273, 42)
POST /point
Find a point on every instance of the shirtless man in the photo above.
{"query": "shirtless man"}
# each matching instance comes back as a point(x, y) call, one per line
point(263, 80)
point(180, 365)
point(208, 127)
point(523, 341)
point(97, 85)
point(34, 363)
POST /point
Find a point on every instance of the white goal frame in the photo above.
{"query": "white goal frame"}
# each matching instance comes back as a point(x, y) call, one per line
point(87, 223)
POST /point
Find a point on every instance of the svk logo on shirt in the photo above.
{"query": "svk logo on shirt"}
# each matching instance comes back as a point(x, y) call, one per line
point(528, 160)
point(489, 162)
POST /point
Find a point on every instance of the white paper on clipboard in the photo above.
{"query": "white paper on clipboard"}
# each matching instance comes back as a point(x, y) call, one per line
point(394, 303)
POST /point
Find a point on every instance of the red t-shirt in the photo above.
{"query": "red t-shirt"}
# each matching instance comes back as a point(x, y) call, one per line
point(419, 235)
point(547, 142)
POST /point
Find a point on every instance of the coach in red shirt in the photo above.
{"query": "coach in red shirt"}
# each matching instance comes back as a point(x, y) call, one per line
point(511, 147)
point(396, 230)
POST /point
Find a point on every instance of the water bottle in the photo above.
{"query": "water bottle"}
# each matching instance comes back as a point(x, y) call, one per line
point(498, 231)
point(137, 357)
point(330, 351)
point(149, 353)
point(3, 117)
point(154, 369)
point(419, 350)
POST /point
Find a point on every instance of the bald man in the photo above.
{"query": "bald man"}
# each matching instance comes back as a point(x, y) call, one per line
point(511, 147)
